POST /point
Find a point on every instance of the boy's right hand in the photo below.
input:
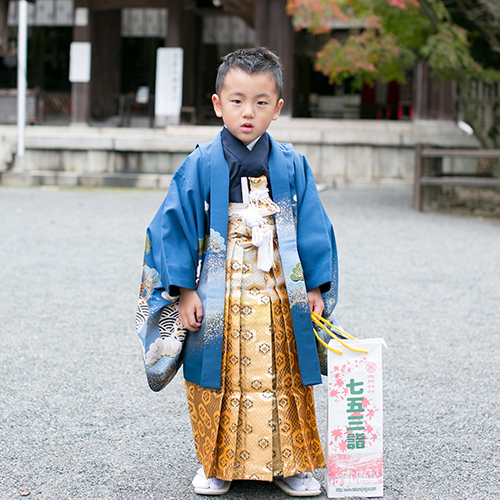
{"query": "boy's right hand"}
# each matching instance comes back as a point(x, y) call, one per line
point(190, 309)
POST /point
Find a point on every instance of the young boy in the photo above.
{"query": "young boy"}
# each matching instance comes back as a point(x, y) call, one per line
point(242, 237)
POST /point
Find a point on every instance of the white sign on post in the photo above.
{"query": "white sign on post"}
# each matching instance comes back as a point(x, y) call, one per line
point(79, 62)
point(168, 93)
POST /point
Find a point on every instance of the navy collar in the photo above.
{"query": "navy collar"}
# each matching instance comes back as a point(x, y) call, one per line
point(236, 148)
point(242, 162)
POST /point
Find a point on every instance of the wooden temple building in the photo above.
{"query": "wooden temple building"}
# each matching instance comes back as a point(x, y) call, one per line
point(125, 35)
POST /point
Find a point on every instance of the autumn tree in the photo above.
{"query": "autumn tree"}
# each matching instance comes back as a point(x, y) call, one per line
point(460, 40)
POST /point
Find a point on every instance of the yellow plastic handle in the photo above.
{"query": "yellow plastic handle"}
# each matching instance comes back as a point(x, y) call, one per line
point(325, 344)
point(320, 318)
point(316, 322)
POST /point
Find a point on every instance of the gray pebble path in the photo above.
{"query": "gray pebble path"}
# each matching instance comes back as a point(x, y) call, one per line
point(78, 421)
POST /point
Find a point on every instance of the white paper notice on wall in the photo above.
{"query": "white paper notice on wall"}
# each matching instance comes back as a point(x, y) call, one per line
point(81, 16)
point(168, 93)
point(79, 62)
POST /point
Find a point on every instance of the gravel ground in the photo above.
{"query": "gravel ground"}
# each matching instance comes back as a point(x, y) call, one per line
point(77, 420)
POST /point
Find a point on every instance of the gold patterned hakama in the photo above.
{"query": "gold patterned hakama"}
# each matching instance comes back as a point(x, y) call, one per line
point(262, 422)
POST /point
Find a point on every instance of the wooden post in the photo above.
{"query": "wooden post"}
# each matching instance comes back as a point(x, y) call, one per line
point(106, 71)
point(417, 188)
point(184, 30)
point(273, 29)
point(433, 97)
point(81, 92)
point(174, 24)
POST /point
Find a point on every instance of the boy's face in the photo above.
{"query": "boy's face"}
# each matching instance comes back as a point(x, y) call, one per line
point(247, 103)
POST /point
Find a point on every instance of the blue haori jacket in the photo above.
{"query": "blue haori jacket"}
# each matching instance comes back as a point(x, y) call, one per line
point(189, 233)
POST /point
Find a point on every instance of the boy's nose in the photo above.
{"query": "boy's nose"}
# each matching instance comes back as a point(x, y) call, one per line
point(248, 111)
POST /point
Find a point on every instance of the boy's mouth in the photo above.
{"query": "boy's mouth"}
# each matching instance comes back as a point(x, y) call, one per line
point(247, 127)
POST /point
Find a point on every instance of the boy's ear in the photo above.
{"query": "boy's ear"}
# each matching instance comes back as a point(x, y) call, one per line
point(217, 106)
point(277, 109)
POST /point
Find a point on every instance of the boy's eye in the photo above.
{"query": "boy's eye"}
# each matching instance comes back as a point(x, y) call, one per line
point(262, 103)
point(236, 101)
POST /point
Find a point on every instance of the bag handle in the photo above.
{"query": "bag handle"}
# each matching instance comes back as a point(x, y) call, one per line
point(324, 343)
point(319, 320)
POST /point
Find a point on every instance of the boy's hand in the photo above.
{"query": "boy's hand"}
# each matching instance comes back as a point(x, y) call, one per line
point(190, 309)
point(315, 301)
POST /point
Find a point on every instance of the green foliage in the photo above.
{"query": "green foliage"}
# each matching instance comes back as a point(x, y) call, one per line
point(410, 26)
point(366, 56)
point(459, 39)
point(491, 75)
point(447, 52)
point(392, 35)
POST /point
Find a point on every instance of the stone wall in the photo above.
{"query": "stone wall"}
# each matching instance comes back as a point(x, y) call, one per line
point(340, 152)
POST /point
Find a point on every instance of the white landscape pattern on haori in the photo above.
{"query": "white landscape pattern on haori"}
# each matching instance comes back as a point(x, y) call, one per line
point(161, 347)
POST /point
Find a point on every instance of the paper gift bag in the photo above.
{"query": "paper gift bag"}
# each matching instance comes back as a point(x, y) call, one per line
point(355, 415)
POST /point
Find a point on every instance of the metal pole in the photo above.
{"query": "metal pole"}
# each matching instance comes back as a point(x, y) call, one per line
point(22, 55)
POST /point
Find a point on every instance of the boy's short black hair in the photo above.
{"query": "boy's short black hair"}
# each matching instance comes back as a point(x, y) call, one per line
point(258, 60)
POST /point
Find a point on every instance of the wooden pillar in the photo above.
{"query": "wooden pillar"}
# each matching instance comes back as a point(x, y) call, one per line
point(273, 29)
point(190, 41)
point(184, 30)
point(4, 38)
point(81, 92)
point(174, 30)
point(433, 97)
point(106, 57)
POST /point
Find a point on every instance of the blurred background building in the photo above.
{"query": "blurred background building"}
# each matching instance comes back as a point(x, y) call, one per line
point(125, 36)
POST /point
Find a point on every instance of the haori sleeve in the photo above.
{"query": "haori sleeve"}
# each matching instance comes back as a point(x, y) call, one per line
point(175, 230)
point(315, 235)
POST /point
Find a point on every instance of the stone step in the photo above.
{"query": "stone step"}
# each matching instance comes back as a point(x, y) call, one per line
point(94, 179)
